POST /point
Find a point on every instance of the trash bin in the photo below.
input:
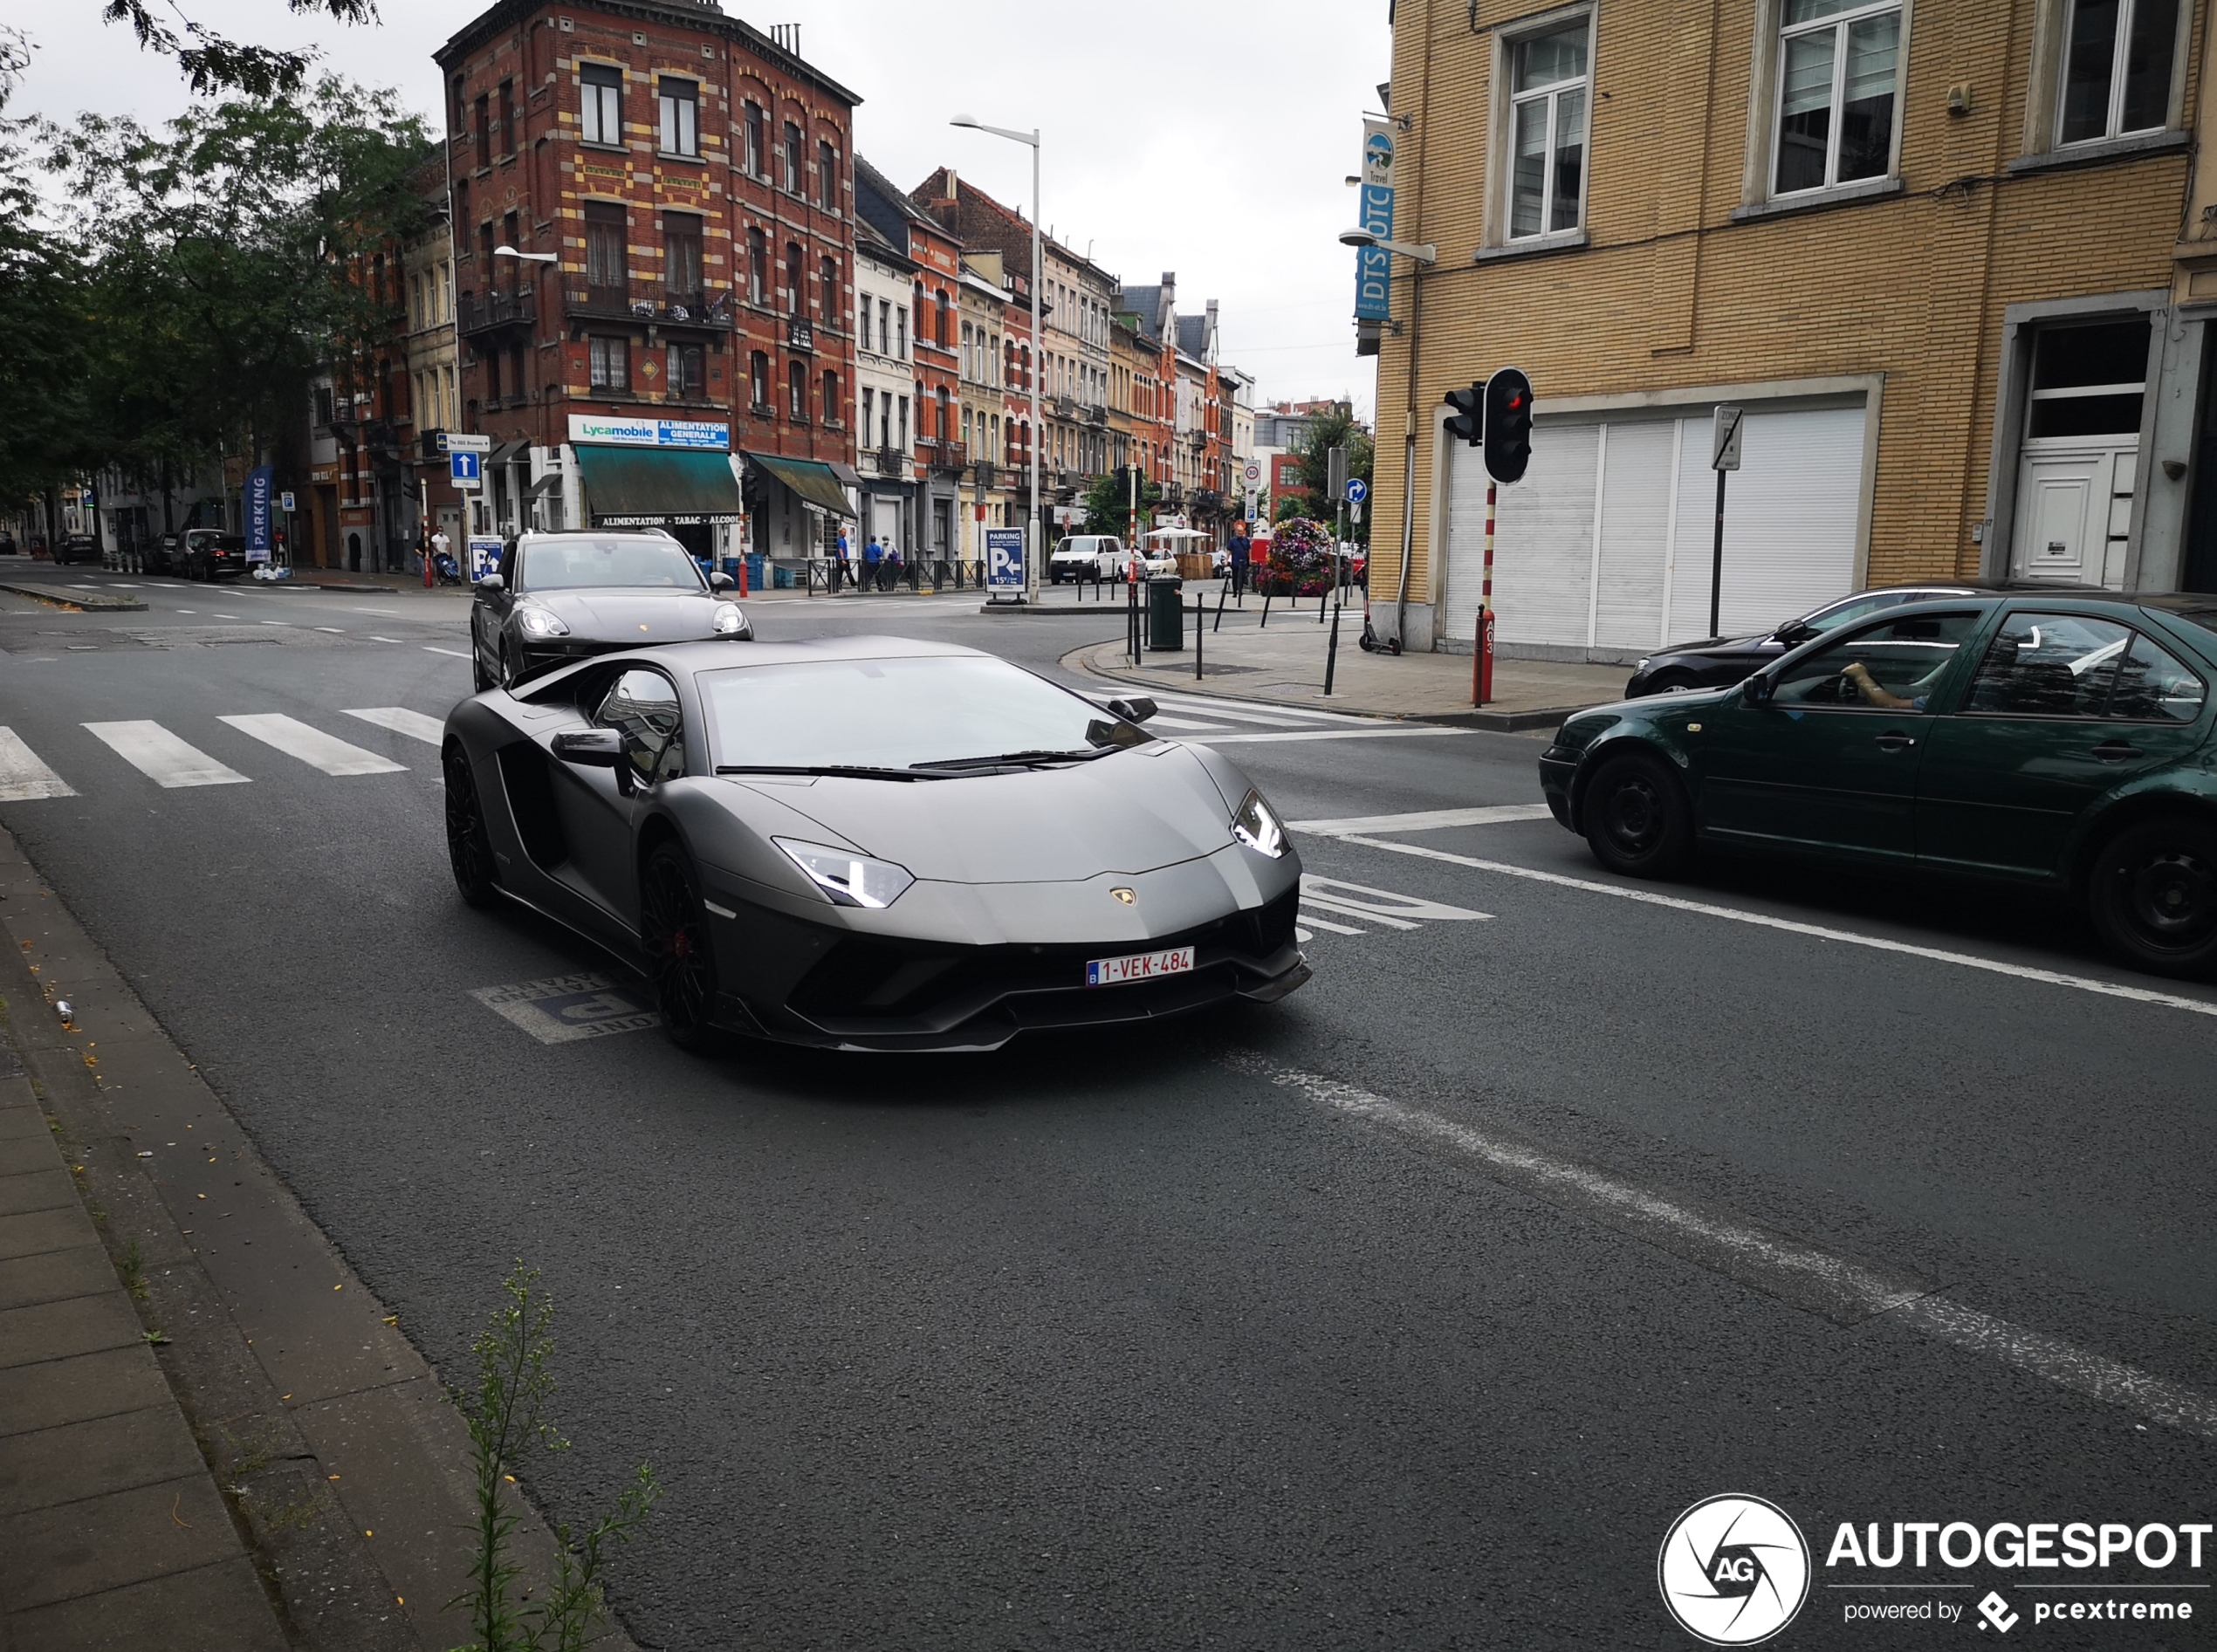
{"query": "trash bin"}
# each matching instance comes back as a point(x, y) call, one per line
point(1165, 615)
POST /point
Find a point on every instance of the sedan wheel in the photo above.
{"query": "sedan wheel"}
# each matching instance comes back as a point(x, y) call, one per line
point(469, 846)
point(2152, 896)
point(1639, 820)
point(672, 930)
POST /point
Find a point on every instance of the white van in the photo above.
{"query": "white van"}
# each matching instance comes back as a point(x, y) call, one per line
point(1087, 555)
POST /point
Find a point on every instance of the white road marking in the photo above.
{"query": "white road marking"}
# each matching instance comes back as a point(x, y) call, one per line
point(1247, 711)
point(456, 653)
point(384, 639)
point(390, 613)
point(1799, 1272)
point(193, 611)
point(24, 775)
point(226, 616)
point(1428, 820)
point(283, 625)
point(1315, 922)
point(1397, 731)
point(161, 757)
point(1180, 723)
point(400, 720)
point(334, 630)
point(1969, 961)
point(313, 746)
point(1381, 906)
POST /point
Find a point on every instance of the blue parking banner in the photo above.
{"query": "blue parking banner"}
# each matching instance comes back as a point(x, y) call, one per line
point(1004, 559)
point(260, 484)
point(464, 467)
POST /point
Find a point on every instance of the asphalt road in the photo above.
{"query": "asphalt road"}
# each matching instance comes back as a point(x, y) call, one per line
point(1407, 1313)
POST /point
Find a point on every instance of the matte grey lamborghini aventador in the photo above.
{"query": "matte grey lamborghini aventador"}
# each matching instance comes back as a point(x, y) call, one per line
point(872, 843)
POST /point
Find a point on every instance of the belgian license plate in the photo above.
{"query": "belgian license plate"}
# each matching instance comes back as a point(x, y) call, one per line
point(1139, 966)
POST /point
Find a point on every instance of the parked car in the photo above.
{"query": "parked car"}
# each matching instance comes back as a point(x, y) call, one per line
point(8, 546)
point(206, 553)
point(1086, 556)
point(559, 597)
point(873, 843)
point(2057, 740)
point(1718, 663)
point(77, 547)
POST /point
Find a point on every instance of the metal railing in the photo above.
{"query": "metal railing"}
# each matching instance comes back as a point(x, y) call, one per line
point(481, 312)
point(826, 576)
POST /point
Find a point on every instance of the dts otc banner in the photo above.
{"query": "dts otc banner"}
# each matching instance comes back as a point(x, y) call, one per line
point(1373, 266)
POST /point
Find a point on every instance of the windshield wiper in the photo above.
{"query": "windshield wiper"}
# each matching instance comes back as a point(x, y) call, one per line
point(852, 770)
point(1015, 759)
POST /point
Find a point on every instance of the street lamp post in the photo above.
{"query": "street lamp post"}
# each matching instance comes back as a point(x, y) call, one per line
point(1424, 253)
point(1035, 547)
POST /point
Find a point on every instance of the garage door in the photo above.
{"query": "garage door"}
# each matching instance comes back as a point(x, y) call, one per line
point(1606, 544)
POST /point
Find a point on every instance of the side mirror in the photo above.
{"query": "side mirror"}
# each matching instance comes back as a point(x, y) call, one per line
point(590, 748)
point(1794, 634)
point(1755, 691)
point(1138, 709)
point(722, 581)
point(492, 586)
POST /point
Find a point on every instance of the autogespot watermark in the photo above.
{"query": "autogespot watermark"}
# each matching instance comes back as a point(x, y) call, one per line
point(1735, 1571)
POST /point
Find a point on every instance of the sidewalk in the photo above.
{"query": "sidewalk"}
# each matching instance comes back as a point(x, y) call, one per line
point(1285, 662)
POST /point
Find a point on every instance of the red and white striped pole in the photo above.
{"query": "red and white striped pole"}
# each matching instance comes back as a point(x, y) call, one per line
point(1482, 666)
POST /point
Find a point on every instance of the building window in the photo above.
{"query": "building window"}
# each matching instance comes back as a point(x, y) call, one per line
point(681, 117)
point(605, 270)
point(884, 326)
point(827, 176)
point(946, 323)
point(681, 243)
point(789, 161)
point(904, 424)
point(862, 425)
point(511, 236)
point(1838, 65)
point(831, 397)
point(688, 369)
point(481, 126)
point(611, 359)
point(759, 381)
point(828, 278)
point(797, 391)
point(946, 426)
point(324, 409)
point(796, 297)
point(2117, 68)
point(757, 267)
point(600, 103)
point(901, 333)
point(758, 160)
point(2089, 381)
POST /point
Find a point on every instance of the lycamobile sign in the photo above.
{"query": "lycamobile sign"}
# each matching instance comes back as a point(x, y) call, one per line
point(596, 430)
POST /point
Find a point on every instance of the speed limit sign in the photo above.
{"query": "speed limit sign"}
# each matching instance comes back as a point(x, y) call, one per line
point(1253, 473)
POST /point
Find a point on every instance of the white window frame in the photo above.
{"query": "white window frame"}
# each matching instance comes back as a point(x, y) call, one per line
point(1765, 92)
point(1502, 125)
point(597, 104)
point(677, 107)
point(1550, 94)
point(2061, 64)
point(1839, 23)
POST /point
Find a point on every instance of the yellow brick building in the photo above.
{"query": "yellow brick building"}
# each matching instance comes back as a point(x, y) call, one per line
point(1948, 255)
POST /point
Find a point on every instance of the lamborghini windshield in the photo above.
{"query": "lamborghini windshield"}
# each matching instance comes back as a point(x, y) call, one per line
point(587, 561)
point(943, 713)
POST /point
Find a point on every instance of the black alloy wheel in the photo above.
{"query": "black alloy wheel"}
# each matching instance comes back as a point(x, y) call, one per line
point(681, 961)
point(1673, 683)
point(481, 678)
point(1639, 820)
point(469, 844)
point(511, 664)
point(2152, 895)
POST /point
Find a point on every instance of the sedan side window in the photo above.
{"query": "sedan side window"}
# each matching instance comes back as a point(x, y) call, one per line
point(2048, 665)
point(1894, 665)
point(642, 707)
point(2152, 687)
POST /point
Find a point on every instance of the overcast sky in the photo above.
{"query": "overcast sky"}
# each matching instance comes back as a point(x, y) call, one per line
point(1209, 140)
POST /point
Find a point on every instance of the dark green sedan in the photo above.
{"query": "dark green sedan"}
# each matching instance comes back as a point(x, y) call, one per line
point(2037, 738)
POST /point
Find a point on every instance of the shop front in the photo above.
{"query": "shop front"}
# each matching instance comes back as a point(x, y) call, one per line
point(797, 506)
point(678, 476)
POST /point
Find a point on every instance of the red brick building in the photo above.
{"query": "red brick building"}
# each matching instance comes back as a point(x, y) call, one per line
point(679, 351)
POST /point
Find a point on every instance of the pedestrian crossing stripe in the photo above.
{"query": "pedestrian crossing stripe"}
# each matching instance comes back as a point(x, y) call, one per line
point(174, 763)
point(1358, 902)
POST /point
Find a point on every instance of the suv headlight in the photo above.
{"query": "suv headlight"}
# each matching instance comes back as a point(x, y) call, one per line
point(728, 620)
point(1255, 825)
point(541, 622)
point(849, 879)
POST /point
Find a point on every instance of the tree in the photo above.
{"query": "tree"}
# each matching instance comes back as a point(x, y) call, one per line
point(215, 64)
point(1107, 502)
point(232, 261)
point(1334, 429)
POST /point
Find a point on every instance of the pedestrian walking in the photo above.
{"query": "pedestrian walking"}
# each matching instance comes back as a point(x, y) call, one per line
point(873, 554)
point(842, 570)
point(889, 573)
point(1241, 548)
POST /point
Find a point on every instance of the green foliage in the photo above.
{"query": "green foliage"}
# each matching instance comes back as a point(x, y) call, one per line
point(215, 64)
point(1301, 557)
point(506, 1417)
point(1107, 502)
point(43, 317)
point(1335, 428)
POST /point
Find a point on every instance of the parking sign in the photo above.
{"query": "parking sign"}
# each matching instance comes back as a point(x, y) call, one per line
point(1004, 559)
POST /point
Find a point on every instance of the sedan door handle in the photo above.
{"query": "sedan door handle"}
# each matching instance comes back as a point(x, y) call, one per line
point(1894, 741)
point(2115, 751)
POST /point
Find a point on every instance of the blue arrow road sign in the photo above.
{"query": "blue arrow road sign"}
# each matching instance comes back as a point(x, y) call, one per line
point(1358, 489)
point(465, 466)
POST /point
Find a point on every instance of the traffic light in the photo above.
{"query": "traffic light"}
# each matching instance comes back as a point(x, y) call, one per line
point(1507, 428)
point(1468, 423)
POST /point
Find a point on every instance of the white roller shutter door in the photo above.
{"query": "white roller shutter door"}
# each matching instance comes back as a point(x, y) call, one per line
point(1635, 533)
point(1544, 532)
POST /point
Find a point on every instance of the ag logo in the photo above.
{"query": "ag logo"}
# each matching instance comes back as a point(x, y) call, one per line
point(1733, 1570)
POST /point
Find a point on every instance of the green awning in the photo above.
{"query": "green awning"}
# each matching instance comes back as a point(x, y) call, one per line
point(638, 487)
point(813, 481)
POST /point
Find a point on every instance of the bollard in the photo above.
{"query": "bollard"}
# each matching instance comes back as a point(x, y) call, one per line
point(1219, 604)
point(1200, 612)
point(1264, 623)
point(1332, 652)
